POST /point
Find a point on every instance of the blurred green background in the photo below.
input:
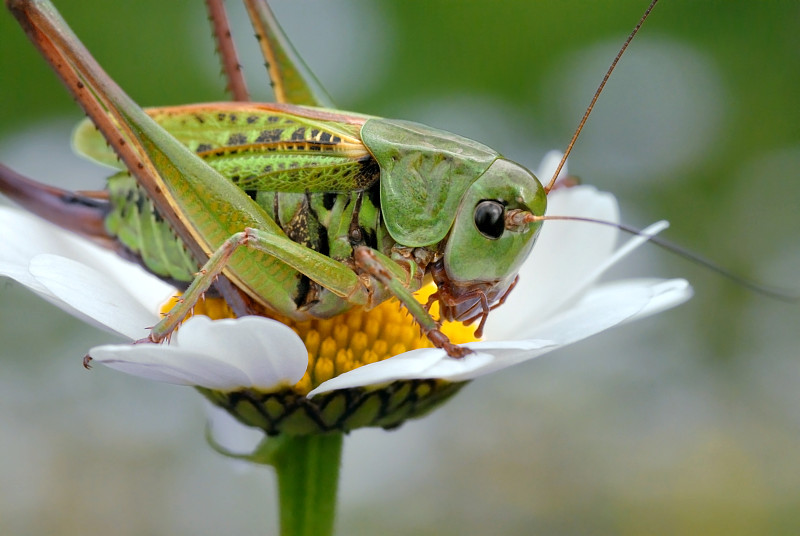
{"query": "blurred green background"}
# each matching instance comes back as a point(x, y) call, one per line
point(686, 423)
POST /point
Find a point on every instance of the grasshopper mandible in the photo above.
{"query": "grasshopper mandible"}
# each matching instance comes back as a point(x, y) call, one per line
point(290, 208)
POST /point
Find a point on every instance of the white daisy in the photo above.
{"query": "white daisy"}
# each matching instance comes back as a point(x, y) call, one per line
point(558, 301)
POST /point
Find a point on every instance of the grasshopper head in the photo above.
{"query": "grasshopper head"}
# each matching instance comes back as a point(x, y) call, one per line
point(492, 235)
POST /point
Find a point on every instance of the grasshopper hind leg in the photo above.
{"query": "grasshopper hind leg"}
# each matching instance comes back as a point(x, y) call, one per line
point(227, 50)
point(83, 213)
point(292, 80)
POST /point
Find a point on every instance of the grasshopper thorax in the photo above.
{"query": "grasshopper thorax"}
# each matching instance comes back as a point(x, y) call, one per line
point(489, 241)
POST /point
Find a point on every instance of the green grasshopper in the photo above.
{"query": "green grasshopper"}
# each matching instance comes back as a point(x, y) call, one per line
point(291, 208)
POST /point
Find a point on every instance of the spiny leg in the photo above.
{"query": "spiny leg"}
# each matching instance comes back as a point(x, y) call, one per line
point(111, 110)
point(201, 283)
point(45, 28)
point(227, 50)
point(80, 212)
point(323, 270)
point(329, 273)
point(151, 155)
point(292, 80)
point(386, 272)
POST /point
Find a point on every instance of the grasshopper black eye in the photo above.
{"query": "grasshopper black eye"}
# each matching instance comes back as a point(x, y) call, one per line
point(490, 219)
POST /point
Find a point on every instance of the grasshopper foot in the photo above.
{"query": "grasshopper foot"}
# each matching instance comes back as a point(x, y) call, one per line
point(150, 339)
point(440, 340)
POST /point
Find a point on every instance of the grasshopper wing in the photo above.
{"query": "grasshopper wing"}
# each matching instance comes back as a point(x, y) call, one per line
point(261, 147)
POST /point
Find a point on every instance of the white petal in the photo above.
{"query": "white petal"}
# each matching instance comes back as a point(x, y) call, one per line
point(601, 309)
point(571, 295)
point(597, 312)
point(94, 294)
point(606, 306)
point(433, 363)
point(150, 291)
point(646, 234)
point(666, 294)
point(41, 237)
point(415, 364)
point(567, 252)
point(170, 364)
point(224, 354)
point(25, 236)
point(268, 352)
point(22, 275)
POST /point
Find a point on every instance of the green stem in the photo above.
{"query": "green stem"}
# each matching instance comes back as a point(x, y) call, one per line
point(308, 479)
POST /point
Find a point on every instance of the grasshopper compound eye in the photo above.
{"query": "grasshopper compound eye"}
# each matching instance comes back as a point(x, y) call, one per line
point(490, 219)
point(481, 225)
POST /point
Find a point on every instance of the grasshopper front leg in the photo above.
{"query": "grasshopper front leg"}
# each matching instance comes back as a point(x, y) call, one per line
point(389, 274)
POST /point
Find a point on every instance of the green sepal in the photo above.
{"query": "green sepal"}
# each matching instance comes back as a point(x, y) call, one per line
point(290, 413)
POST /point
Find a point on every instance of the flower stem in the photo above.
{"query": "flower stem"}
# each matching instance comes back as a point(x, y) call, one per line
point(308, 479)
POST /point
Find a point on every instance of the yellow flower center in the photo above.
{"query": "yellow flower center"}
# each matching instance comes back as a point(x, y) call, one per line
point(352, 339)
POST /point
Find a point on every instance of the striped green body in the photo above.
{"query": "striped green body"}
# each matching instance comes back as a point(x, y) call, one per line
point(312, 178)
point(313, 185)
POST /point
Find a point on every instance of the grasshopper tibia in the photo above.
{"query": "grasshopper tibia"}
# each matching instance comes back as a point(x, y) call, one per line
point(205, 278)
point(380, 267)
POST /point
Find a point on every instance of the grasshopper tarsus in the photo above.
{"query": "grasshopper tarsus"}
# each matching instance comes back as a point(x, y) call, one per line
point(87, 360)
point(150, 339)
point(440, 340)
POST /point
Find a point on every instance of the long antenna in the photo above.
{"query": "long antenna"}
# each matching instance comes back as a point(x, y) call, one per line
point(597, 94)
point(784, 295)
